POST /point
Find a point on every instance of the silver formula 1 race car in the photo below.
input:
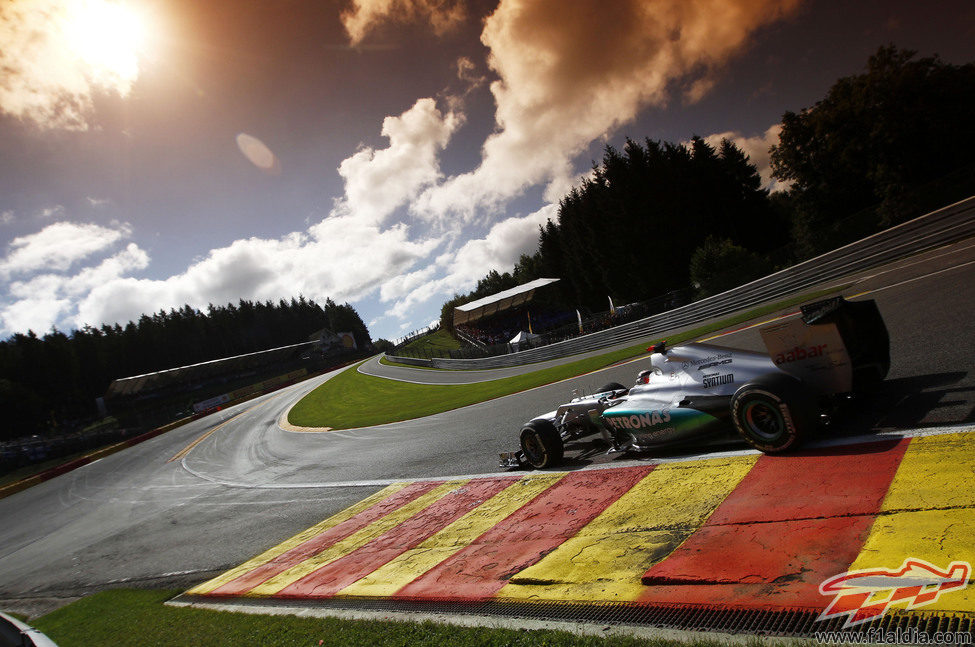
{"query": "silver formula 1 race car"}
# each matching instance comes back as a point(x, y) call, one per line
point(696, 393)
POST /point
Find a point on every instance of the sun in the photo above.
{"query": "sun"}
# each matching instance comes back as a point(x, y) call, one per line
point(107, 38)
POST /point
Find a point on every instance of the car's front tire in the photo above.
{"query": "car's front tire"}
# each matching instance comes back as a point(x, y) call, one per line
point(541, 444)
point(773, 414)
point(612, 386)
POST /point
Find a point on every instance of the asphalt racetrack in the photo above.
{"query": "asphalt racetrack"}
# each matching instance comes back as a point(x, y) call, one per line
point(190, 504)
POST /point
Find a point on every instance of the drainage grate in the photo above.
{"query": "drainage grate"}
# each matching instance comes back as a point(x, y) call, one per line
point(797, 622)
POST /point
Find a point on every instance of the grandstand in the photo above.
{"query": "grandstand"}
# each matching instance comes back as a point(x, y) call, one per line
point(167, 393)
point(498, 318)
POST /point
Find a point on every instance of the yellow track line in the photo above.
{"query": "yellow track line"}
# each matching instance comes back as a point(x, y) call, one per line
point(186, 450)
point(748, 327)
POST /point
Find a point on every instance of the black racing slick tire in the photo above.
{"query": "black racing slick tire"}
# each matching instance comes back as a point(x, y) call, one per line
point(612, 386)
point(541, 444)
point(773, 414)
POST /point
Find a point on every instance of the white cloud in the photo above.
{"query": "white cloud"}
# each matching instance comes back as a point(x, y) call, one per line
point(130, 259)
point(57, 211)
point(398, 286)
point(6, 217)
point(346, 256)
point(364, 15)
point(37, 313)
point(467, 72)
point(379, 181)
point(342, 257)
point(499, 250)
point(58, 246)
point(57, 52)
point(567, 78)
point(757, 149)
point(41, 301)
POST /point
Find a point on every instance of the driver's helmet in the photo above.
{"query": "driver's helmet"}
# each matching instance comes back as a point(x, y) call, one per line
point(658, 363)
point(643, 377)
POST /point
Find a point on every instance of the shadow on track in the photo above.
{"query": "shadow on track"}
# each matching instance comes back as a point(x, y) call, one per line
point(912, 402)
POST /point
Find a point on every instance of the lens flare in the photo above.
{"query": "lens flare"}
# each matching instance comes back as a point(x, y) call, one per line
point(259, 155)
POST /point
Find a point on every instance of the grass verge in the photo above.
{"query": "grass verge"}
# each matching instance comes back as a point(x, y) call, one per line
point(121, 618)
point(438, 340)
point(351, 399)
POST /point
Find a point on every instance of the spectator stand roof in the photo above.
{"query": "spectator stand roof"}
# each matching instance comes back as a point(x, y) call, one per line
point(505, 300)
point(202, 371)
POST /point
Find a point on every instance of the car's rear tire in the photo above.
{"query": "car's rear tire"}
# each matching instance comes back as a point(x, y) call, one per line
point(612, 386)
point(773, 414)
point(541, 444)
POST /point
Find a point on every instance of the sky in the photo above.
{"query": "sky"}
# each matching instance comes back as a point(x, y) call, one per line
point(384, 153)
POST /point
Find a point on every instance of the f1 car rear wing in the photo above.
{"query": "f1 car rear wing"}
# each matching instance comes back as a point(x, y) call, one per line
point(837, 346)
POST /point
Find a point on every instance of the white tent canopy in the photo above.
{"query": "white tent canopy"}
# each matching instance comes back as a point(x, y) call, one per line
point(523, 336)
point(495, 303)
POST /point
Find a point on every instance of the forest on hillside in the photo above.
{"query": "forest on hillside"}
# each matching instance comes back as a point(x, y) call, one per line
point(881, 147)
point(51, 382)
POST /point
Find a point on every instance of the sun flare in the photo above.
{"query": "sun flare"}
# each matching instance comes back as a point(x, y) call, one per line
point(57, 56)
point(107, 37)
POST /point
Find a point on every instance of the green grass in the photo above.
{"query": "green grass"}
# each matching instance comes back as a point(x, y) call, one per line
point(138, 618)
point(437, 341)
point(351, 399)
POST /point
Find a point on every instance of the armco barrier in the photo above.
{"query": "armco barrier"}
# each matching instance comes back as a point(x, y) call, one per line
point(58, 470)
point(64, 468)
point(17, 633)
point(412, 361)
point(949, 224)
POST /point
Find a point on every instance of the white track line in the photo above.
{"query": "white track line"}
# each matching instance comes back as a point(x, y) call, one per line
point(377, 483)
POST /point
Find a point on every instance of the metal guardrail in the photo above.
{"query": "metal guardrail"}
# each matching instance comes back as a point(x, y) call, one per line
point(469, 339)
point(949, 224)
point(15, 633)
point(410, 336)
